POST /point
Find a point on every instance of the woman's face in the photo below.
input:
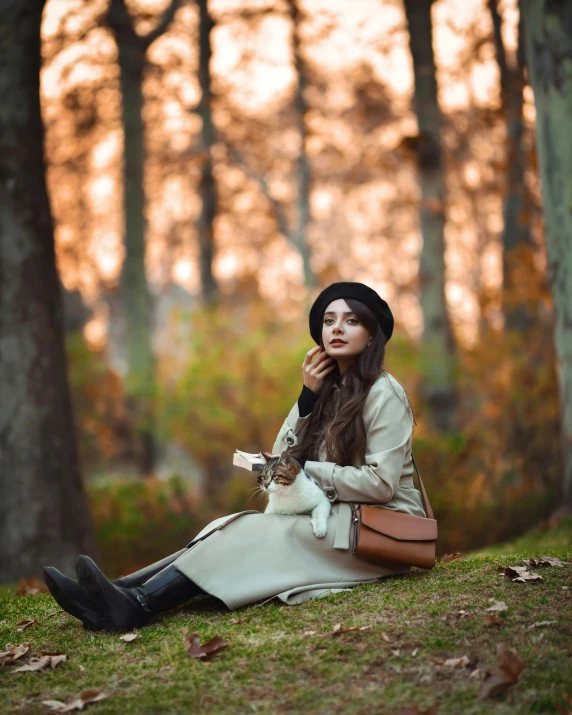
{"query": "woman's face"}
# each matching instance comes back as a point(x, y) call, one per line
point(340, 323)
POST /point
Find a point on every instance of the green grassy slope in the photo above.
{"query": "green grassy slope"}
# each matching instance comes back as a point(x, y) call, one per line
point(285, 659)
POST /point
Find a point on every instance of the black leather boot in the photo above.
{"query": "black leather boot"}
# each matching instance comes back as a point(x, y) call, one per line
point(122, 609)
point(139, 577)
point(70, 596)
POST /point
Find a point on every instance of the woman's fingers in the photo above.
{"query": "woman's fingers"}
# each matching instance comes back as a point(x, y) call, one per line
point(313, 351)
point(322, 357)
point(310, 354)
point(318, 364)
point(319, 359)
point(323, 363)
point(313, 356)
point(325, 371)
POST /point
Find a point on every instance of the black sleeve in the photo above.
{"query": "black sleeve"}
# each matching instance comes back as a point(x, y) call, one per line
point(306, 401)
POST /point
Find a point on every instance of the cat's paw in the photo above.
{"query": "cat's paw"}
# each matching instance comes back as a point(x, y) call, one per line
point(320, 528)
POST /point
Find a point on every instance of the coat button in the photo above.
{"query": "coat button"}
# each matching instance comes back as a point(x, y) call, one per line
point(330, 493)
point(290, 440)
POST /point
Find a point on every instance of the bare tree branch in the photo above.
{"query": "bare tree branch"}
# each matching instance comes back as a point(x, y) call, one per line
point(120, 20)
point(166, 19)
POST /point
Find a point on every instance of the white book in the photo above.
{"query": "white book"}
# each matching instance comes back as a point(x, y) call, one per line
point(247, 460)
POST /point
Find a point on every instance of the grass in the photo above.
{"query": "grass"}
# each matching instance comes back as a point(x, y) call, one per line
point(546, 536)
point(285, 659)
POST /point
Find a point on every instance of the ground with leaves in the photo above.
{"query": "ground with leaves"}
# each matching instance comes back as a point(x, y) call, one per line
point(434, 642)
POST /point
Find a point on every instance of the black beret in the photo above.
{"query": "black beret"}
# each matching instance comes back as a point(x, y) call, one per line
point(349, 289)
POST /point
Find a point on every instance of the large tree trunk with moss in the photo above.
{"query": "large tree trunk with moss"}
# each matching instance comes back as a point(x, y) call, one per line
point(303, 171)
point(439, 384)
point(140, 385)
point(207, 186)
point(44, 518)
point(548, 33)
point(519, 272)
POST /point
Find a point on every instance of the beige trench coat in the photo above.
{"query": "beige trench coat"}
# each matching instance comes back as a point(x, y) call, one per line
point(249, 556)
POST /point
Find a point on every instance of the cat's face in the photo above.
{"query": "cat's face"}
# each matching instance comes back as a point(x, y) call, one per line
point(278, 473)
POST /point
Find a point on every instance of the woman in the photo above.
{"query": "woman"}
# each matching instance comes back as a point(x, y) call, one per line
point(350, 430)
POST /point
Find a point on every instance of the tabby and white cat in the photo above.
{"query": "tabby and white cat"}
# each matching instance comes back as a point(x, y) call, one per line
point(291, 491)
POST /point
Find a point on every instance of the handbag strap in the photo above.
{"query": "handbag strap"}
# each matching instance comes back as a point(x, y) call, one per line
point(424, 497)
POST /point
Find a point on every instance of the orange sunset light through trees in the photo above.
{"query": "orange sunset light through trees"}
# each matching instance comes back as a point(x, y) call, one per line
point(364, 189)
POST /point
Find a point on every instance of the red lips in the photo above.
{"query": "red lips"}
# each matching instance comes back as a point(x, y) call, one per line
point(338, 342)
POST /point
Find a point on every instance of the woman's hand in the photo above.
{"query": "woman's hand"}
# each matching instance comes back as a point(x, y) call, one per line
point(315, 372)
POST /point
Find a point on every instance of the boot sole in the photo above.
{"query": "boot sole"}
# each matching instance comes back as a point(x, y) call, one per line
point(90, 618)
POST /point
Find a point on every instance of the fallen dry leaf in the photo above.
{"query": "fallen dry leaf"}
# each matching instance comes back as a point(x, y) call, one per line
point(33, 665)
point(457, 662)
point(338, 629)
point(414, 652)
point(386, 638)
point(507, 671)
point(92, 695)
point(207, 650)
point(497, 606)
point(396, 652)
point(13, 652)
point(450, 557)
point(25, 623)
point(56, 658)
point(531, 577)
point(545, 561)
point(513, 571)
point(129, 637)
point(521, 574)
point(309, 633)
point(541, 624)
point(494, 619)
point(54, 613)
point(47, 659)
point(30, 587)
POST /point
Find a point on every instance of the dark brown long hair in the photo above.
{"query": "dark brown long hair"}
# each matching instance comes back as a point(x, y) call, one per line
point(343, 428)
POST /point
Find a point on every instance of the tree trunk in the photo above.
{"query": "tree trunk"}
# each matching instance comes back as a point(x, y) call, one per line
point(303, 172)
point(548, 41)
point(438, 346)
point(44, 518)
point(518, 248)
point(140, 383)
point(207, 186)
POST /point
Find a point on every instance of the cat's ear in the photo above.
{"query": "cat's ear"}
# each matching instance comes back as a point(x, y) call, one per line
point(267, 456)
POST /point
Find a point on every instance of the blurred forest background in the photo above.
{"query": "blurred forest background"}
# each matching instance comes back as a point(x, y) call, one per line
point(179, 181)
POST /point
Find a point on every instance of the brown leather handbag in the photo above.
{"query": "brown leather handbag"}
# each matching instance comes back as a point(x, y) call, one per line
point(389, 537)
